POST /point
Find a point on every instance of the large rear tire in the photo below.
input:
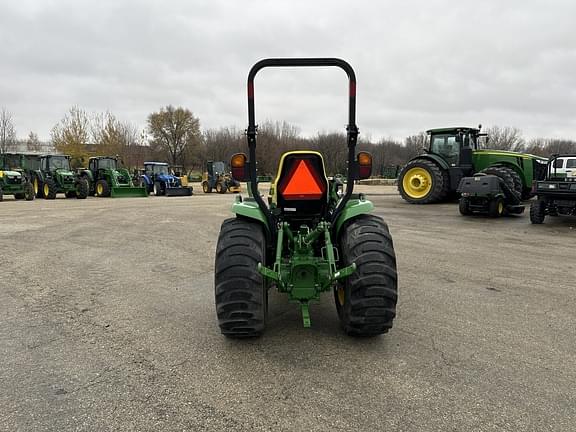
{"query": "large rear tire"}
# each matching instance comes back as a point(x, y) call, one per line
point(421, 181)
point(240, 290)
point(509, 177)
point(366, 300)
point(38, 187)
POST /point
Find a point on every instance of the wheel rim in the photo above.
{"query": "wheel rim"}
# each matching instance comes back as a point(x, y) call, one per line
point(46, 190)
point(35, 186)
point(205, 187)
point(341, 297)
point(218, 188)
point(99, 189)
point(417, 182)
point(500, 207)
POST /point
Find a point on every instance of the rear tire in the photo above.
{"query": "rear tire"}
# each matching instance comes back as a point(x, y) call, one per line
point(240, 290)
point(537, 212)
point(366, 300)
point(417, 187)
point(464, 207)
point(37, 184)
point(49, 189)
point(158, 191)
point(221, 188)
point(506, 174)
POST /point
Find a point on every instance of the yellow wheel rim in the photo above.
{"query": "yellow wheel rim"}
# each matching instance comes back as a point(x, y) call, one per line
point(35, 186)
point(99, 189)
point(340, 293)
point(500, 207)
point(417, 182)
point(46, 190)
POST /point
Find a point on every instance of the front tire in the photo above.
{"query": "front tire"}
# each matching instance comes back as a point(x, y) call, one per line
point(464, 207)
point(240, 290)
point(102, 189)
point(537, 212)
point(366, 300)
point(206, 187)
point(82, 188)
point(49, 189)
point(496, 208)
point(221, 188)
point(421, 181)
point(29, 194)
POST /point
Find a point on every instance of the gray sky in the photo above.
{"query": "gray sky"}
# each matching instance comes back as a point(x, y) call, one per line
point(419, 64)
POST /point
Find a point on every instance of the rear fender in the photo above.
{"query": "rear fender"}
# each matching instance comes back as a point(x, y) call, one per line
point(248, 208)
point(354, 207)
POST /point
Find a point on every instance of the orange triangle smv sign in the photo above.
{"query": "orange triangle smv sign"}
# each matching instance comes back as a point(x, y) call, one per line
point(302, 184)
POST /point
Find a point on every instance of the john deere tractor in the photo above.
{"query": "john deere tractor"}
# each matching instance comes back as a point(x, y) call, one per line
point(454, 153)
point(52, 175)
point(107, 179)
point(13, 180)
point(218, 178)
point(314, 237)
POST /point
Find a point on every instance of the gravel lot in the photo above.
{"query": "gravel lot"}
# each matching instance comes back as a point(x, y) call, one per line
point(107, 322)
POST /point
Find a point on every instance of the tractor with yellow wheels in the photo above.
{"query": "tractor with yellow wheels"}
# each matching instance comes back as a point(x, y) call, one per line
point(52, 175)
point(455, 153)
point(106, 178)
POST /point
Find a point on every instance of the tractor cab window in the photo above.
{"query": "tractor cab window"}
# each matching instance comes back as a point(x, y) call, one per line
point(158, 169)
point(107, 163)
point(58, 162)
point(447, 147)
point(12, 161)
point(218, 168)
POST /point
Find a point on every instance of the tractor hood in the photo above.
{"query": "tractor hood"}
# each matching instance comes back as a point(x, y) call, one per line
point(166, 177)
point(511, 153)
point(10, 174)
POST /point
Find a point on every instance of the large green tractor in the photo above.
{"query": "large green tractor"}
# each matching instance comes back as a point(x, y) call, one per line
point(314, 237)
point(13, 180)
point(454, 153)
point(53, 176)
point(106, 179)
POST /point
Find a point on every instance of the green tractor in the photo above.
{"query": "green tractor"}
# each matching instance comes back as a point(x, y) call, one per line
point(314, 237)
point(13, 180)
point(52, 175)
point(106, 179)
point(454, 153)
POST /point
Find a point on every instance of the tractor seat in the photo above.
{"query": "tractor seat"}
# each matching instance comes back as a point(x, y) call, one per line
point(301, 186)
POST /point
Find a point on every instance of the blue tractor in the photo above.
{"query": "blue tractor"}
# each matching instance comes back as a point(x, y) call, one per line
point(158, 178)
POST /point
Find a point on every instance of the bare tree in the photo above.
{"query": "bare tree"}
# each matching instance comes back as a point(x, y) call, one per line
point(505, 138)
point(33, 143)
point(173, 130)
point(7, 131)
point(71, 135)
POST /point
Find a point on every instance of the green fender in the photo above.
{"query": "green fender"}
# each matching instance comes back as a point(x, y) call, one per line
point(249, 209)
point(434, 158)
point(353, 209)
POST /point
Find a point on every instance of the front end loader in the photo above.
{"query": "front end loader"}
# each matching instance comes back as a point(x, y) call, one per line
point(107, 179)
point(312, 238)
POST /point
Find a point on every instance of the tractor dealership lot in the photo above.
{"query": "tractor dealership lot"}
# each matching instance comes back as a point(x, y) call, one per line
point(107, 322)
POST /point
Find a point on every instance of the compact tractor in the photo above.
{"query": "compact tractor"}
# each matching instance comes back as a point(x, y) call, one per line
point(314, 237)
point(157, 178)
point(218, 178)
point(51, 175)
point(106, 179)
point(13, 180)
point(454, 153)
point(557, 192)
point(488, 194)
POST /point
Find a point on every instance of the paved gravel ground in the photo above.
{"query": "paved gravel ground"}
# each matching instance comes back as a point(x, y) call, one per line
point(107, 322)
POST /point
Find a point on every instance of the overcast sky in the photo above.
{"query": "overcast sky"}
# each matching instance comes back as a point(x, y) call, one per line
point(419, 64)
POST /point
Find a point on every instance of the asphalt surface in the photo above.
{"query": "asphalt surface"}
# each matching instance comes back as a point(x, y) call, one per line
point(107, 322)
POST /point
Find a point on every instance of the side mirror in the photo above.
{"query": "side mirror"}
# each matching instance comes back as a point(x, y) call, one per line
point(364, 162)
point(239, 167)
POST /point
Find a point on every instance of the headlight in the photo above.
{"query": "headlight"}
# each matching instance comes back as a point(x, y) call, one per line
point(547, 185)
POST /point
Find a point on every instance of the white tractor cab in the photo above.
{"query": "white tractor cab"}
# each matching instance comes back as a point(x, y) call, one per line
point(563, 166)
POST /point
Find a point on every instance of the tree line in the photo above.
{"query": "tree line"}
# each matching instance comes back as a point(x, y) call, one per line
point(173, 134)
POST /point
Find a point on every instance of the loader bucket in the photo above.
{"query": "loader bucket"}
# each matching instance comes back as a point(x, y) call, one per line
point(128, 191)
point(179, 191)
